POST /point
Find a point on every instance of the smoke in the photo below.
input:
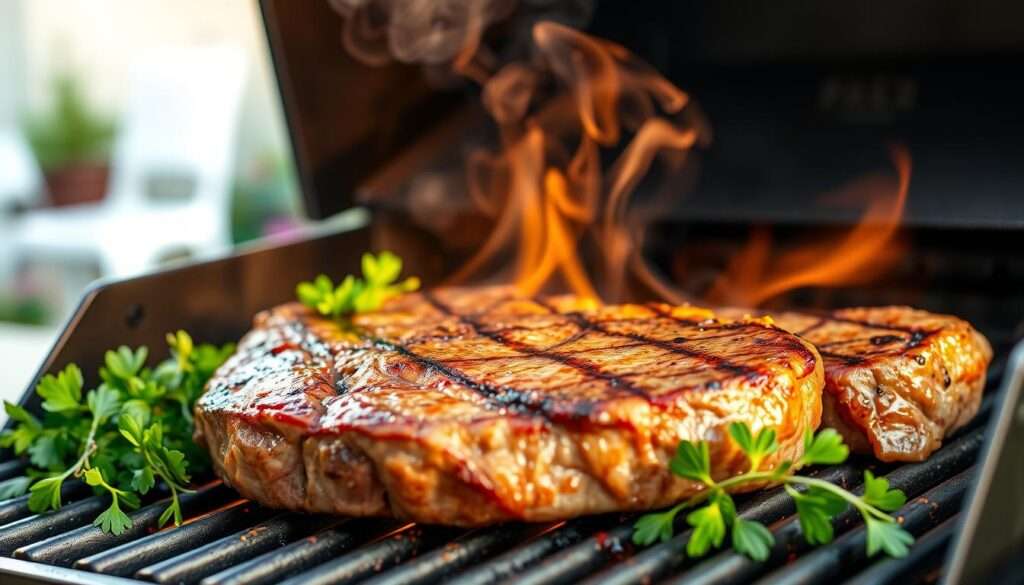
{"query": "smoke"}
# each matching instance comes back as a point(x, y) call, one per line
point(439, 32)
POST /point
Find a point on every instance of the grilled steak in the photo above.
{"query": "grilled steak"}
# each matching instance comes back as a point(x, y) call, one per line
point(471, 406)
point(897, 380)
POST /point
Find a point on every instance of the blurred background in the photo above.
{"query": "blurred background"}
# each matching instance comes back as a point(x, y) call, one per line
point(110, 164)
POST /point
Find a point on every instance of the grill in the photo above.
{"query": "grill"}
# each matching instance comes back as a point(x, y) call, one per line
point(229, 540)
point(389, 132)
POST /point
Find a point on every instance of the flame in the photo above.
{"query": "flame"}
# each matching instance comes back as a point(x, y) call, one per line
point(546, 201)
point(865, 252)
point(578, 101)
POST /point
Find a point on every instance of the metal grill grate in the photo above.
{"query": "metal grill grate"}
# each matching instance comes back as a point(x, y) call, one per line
point(230, 541)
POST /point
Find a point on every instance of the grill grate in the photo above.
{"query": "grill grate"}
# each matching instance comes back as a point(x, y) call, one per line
point(228, 541)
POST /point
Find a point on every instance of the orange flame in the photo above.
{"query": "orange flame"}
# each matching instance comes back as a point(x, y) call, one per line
point(866, 251)
point(546, 200)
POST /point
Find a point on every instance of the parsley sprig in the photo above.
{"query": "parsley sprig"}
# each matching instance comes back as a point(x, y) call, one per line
point(817, 501)
point(135, 428)
point(354, 294)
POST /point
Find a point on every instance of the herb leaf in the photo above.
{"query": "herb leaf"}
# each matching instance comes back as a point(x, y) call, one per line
point(133, 430)
point(878, 494)
point(692, 461)
point(817, 501)
point(654, 527)
point(45, 494)
point(756, 447)
point(824, 448)
point(708, 529)
point(752, 539)
point(887, 536)
point(815, 509)
point(14, 487)
point(62, 392)
point(357, 295)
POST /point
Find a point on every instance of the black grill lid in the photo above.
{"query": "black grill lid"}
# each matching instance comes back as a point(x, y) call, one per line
point(802, 102)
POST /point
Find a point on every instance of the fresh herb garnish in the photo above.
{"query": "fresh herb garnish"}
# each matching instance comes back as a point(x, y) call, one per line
point(817, 501)
point(132, 430)
point(358, 295)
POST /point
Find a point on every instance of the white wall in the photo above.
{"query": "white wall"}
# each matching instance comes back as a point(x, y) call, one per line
point(12, 65)
point(98, 39)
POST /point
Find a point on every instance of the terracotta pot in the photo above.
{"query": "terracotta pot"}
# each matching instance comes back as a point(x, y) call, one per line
point(77, 183)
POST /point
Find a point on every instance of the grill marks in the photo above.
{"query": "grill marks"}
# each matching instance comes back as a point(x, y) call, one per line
point(878, 344)
point(533, 399)
point(546, 357)
point(586, 367)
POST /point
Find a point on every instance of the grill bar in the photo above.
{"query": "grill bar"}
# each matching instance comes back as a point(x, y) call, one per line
point(17, 508)
point(374, 558)
point(516, 560)
point(303, 554)
point(127, 558)
point(14, 468)
point(825, 564)
point(64, 549)
point(437, 564)
point(35, 528)
point(243, 545)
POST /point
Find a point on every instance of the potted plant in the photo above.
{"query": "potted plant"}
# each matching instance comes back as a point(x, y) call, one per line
point(72, 143)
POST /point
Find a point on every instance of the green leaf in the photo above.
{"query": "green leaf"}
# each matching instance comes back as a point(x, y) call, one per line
point(128, 499)
point(166, 515)
point(45, 452)
point(368, 299)
point(25, 433)
point(143, 480)
point(345, 295)
point(708, 529)
point(124, 364)
point(824, 448)
point(104, 402)
point(137, 409)
point(654, 526)
point(175, 462)
point(113, 520)
point(752, 539)
point(308, 294)
point(887, 536)
point(62, 392)
point(20, 415)
point(692, 461)
point(323, 283)
point(725, 505)
point(181, 346)
point(381, 270)
point(131, 429)
point(357, 294)
point(93, 477)
point(816, 507)
point(45, 494)
point(878, 494)
point(14, 487)
point(756, 447)
point(740, 433)
point(173, 510)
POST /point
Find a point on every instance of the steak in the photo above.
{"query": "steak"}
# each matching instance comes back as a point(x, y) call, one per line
point(473, 406)
point(897, 380)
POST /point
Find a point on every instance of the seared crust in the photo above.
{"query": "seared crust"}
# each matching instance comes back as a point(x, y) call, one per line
point(897, 380)
point(472, 406)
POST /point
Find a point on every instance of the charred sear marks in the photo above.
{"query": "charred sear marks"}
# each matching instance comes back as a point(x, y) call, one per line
point(861, 341)
point(574, 360)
